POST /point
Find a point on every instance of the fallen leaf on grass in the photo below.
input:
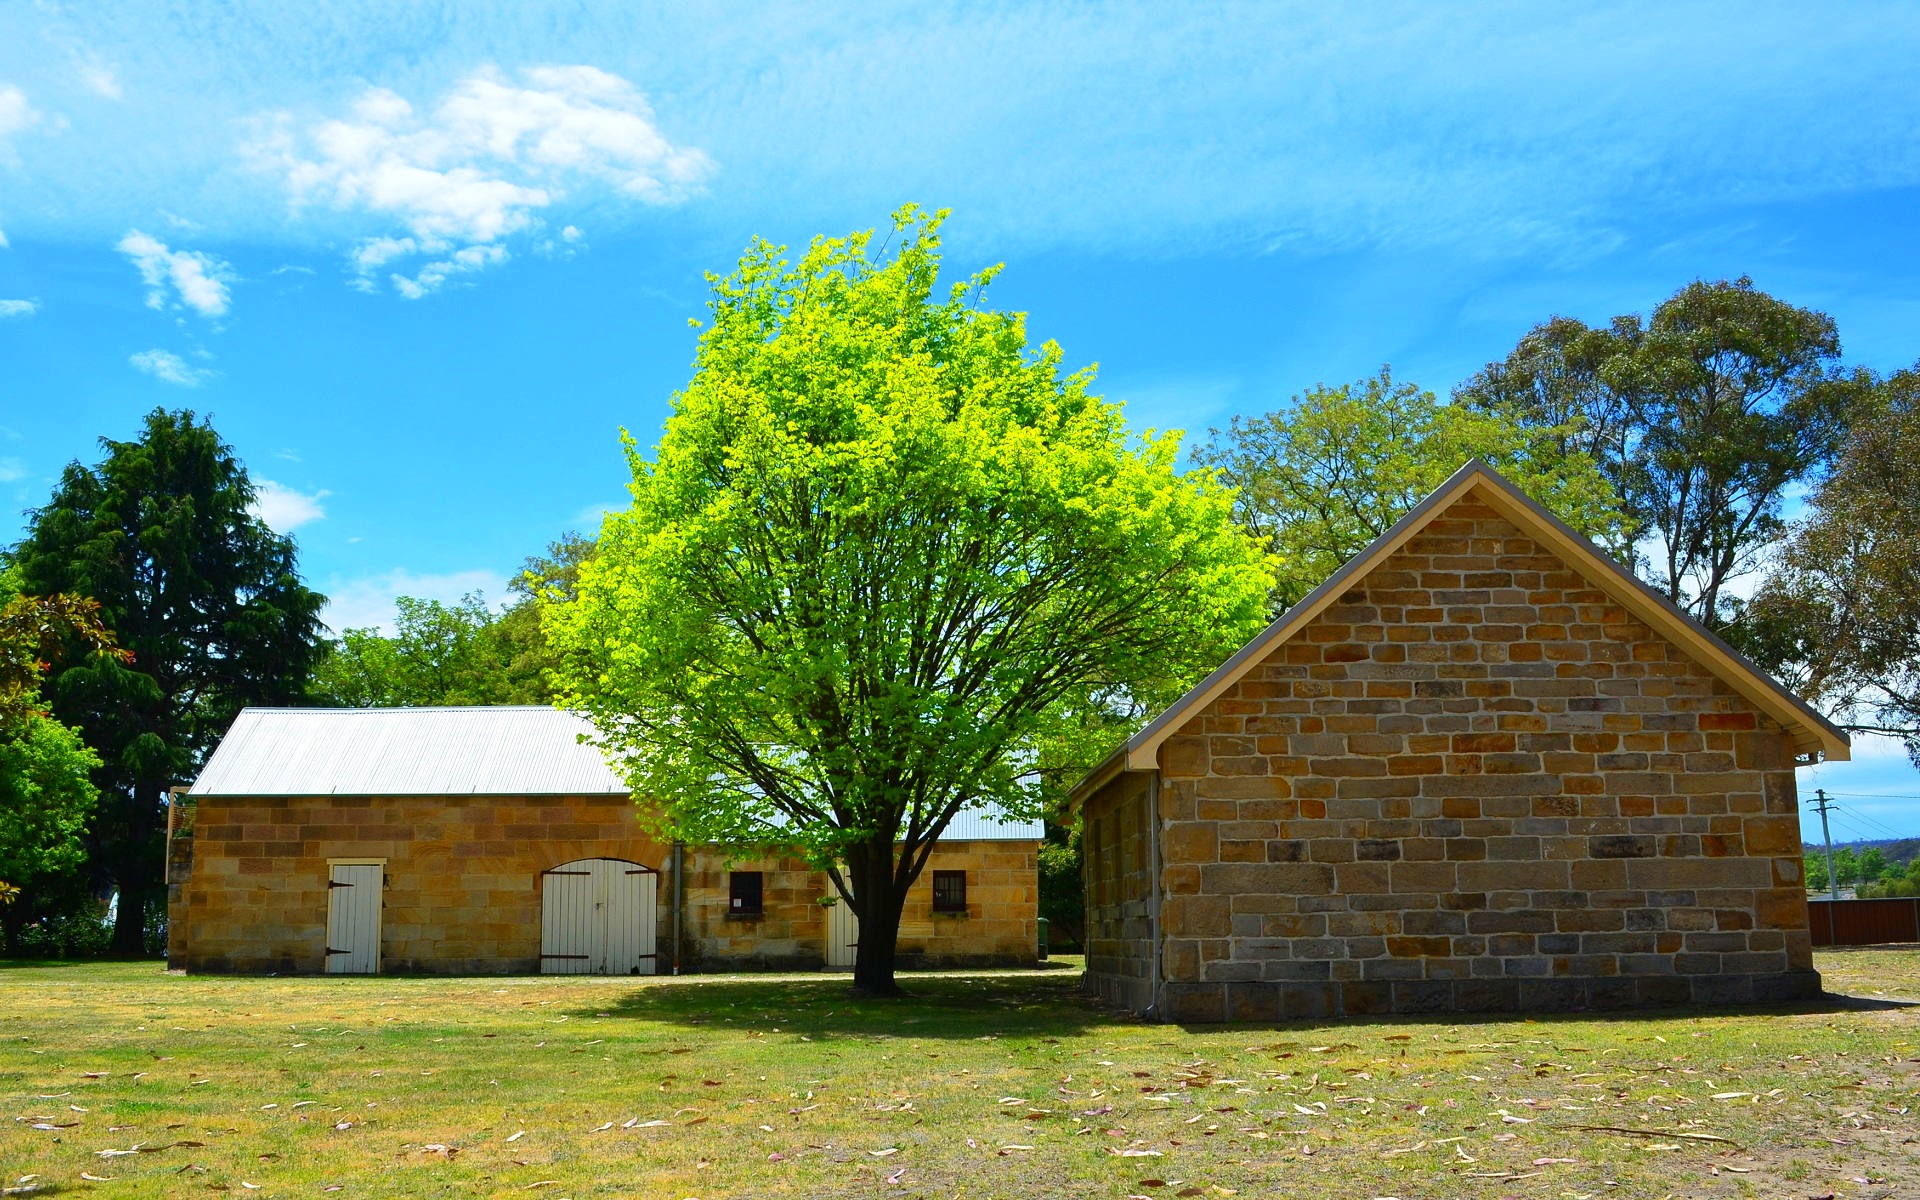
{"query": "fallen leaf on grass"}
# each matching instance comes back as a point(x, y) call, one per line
point(882, 1153)
point(516, 1137)
point(601, 1128)
point(1548, 1162)
point(98, 1178)
point(542, 1183)
point(1129, 1153)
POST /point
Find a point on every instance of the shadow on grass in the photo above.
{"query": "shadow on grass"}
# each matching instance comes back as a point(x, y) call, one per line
point(932, 1007)
point(1827, 1002)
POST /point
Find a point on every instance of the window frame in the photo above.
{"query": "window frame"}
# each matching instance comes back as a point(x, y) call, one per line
point(735, 896)
point(944, 904)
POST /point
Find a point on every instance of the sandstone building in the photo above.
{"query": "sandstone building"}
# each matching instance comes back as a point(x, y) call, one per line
point(1481, 768)
point(491, 840)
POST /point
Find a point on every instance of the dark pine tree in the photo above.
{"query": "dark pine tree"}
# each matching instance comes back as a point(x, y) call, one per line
point(208, 600)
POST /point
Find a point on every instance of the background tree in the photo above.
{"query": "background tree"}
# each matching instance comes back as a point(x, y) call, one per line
point(46, 789)
point(465, 653)
point(1321, 479)
point(203, 594)
point(1702, 415)
point(881, 544)
point(1840, 612)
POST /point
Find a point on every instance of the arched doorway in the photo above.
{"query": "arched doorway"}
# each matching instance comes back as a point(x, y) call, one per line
point(597, 917)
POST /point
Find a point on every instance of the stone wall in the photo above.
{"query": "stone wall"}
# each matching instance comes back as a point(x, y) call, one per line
point(1477, 783)
point(999, 928)
point(1115, 836)
point(248, 887)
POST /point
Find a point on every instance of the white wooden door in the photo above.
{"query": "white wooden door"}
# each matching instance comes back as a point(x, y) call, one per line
point(353, 918)
point(843, 935)
point(598, 917)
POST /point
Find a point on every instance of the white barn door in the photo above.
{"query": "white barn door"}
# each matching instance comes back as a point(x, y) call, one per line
point(598, 917)
point(353, 918)
point(843, 935)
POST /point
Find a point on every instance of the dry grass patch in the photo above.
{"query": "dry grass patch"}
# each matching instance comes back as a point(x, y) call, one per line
point(125, 1080)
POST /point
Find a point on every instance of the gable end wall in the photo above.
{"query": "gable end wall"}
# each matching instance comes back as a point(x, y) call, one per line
point(1476, 783)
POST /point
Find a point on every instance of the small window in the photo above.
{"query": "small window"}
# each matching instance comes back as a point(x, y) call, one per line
point(950, 891)
point(744, 890)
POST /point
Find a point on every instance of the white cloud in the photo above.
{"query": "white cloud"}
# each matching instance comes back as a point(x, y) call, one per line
point(15, 113)
point(482, 166)
point(589, 518)
point(101, 79)
point(198, 280)
point(17, 308)
point(168, 367)
point(285, 509)
point(367, 603)
point(12, 470)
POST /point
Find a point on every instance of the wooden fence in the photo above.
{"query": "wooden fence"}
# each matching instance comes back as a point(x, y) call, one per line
point(1864, 922)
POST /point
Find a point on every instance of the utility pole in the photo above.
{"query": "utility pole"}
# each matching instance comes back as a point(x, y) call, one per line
point(1823, 805)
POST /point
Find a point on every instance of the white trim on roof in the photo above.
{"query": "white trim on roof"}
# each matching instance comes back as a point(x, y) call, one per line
point(1811, 733)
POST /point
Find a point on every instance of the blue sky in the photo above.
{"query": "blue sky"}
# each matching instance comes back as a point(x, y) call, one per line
point(423, 261)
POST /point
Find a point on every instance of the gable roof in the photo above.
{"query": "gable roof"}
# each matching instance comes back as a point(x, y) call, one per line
point(509, 750)
point(504, 750)
point(1811, 732)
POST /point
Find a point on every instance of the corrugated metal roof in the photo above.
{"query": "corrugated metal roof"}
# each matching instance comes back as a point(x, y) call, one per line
point(505, 751)
point(479, 751)
point(979, 826)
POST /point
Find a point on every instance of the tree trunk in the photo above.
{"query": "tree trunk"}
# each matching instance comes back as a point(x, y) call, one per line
point(879, 910)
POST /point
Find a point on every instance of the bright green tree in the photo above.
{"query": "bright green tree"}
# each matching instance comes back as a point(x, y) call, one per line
point(1873, 865)
point(882, 546)
point(204, 595)
point(1322, 478)
point(46, 789)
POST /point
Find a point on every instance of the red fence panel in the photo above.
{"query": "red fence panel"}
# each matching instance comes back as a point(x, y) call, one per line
point(1864, 922)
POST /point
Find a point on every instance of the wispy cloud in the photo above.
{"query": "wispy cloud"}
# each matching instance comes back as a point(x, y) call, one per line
point(100, 79)
point(589, 518)
point(189, 277)
point(481, 167)
point(169, 367)
point(17, 308)
point(15, 113)
point(285, 509)
point(12, 470)
point(368, 603)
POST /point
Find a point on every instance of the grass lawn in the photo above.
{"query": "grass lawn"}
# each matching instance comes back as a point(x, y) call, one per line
point(1003, 1084)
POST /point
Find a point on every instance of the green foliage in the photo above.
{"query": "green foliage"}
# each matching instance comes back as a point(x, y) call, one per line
point(203, 594)
point(1873, 865)
point(1893, 883)
point(46, 796)
point(1062, 888)
point(883, 553)
point(463, 653)
point(1321, 479)
point(1841, 611)
point(1816, 867)
point(1702, 415)
point(1846, 867)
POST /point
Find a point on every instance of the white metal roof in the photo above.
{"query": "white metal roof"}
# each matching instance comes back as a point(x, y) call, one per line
point(479, 751)
point(504, 751)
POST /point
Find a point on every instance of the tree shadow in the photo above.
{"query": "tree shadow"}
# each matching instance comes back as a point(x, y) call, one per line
point(1010, 1004)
